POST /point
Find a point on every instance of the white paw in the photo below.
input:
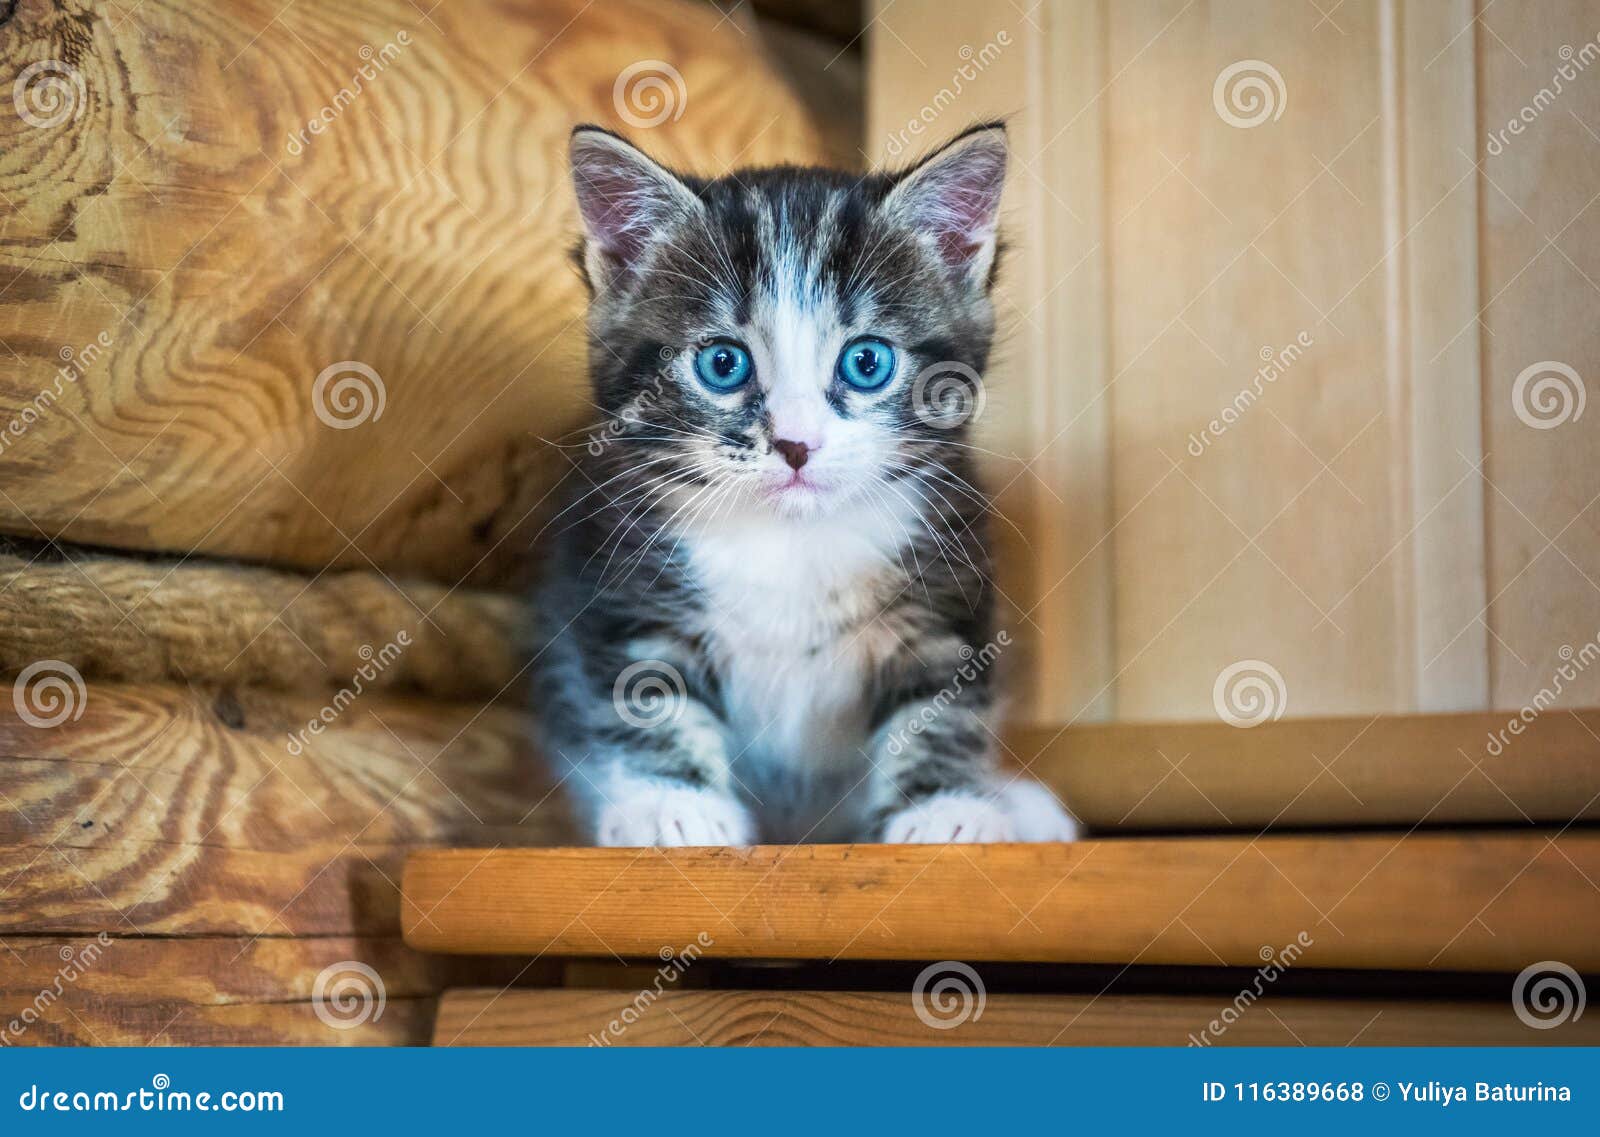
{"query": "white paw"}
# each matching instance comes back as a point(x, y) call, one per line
point(1035, 813)
point(950, 818)
point(639, 813)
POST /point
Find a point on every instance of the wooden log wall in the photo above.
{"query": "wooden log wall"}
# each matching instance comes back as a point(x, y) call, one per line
point(210, 206)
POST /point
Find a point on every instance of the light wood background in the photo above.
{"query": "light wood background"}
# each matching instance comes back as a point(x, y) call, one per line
point(1380, 526)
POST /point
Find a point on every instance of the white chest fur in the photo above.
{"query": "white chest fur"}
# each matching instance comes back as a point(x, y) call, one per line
point(790, 608)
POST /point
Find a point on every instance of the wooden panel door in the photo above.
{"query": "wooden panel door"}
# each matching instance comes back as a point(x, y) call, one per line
point(1272, 288)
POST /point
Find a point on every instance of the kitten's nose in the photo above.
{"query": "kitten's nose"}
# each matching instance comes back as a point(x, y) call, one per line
point(794, 453)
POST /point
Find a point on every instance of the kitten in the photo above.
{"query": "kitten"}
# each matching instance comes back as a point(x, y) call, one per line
point(769, 615)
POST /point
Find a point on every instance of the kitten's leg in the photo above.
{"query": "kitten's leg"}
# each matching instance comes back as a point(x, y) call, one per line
point(933, 761)
point(938, 785)
point(647, 769)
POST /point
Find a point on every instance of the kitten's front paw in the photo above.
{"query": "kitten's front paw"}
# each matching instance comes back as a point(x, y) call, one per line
point(660, 814)
point(950, 818)
point(1035, 813)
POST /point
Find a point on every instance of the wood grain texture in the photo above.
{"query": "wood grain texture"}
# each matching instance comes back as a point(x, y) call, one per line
point(1386, 770)
point(836, 1018)
point(165, 810)
point(194, 257)
point(1486, 901)
point(129, 991)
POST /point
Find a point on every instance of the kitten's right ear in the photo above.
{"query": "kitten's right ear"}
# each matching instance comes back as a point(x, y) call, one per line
point(624, 198)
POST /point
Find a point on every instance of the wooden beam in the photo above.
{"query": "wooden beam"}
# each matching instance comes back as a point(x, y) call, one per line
point(175, 811)
point(213, 991)
point(839, 1018)
point(1368, 770)
point(1463, 901)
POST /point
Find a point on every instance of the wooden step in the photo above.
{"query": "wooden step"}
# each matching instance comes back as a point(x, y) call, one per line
point(1484, 900)
point(1443, 769)
point(566, 1017)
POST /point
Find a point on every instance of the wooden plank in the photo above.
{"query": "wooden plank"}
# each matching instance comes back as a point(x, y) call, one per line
point(1540, 258)
point(171, 810)
point(1435, 409)
point(132, 991)
point(1238, 228)
point(183, 258)
point(1389, 770)
point(1461, 901)
point(934, 69)
point(836, 1018)
point(1074, 603)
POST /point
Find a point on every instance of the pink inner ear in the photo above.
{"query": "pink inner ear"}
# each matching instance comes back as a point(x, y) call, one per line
point(959, 202)
point(613, 207)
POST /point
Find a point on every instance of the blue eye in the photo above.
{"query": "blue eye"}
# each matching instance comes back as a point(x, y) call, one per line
point(722, 366)
point(867, 364)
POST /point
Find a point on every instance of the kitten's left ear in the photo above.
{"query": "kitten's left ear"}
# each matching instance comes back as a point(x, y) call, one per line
point(953, 197)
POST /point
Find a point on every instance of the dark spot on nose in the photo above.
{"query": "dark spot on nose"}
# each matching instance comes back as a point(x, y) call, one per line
point(794, 453)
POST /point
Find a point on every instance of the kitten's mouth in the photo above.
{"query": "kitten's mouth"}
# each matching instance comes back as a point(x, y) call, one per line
point(795, 490)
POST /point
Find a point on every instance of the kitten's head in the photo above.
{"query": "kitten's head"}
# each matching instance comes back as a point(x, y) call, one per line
point(787, 340)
